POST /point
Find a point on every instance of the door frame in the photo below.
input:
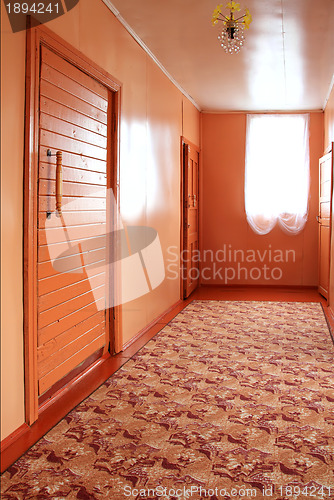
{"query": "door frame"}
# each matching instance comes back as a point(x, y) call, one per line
point(35, 38)
point(330, 300)
point(186, 142)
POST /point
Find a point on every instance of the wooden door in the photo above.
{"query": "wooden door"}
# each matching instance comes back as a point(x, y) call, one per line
point(72, 110)
point(324, 220)
point(190, 248)
point(72, 321)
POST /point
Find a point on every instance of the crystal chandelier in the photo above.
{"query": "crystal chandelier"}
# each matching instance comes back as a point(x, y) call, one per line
point(232, 37)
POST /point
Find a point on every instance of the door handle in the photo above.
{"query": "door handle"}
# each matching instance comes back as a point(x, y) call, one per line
point(324, 221)
point(193, 197)
point(59, 178)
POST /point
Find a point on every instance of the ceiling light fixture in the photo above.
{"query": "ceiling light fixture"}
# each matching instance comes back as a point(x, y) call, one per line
point(232, 37)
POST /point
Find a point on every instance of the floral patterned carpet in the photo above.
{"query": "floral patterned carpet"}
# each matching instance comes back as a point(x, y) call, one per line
point(229, 400)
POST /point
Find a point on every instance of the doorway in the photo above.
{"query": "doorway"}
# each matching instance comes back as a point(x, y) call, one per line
point(190, 265)
point(71, 153)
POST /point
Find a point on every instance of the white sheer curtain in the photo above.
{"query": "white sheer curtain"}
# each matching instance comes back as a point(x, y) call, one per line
point(277, 172)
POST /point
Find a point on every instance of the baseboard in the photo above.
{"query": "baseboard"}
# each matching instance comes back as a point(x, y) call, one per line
point(254, 286)
point(329, 313)
point(144, 330)
point(12, 438)
point(55, 409)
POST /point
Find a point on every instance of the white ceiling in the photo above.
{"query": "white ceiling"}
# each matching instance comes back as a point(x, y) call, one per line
point(286, 64)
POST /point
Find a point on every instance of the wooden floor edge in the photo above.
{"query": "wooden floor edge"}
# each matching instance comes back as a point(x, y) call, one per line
point(14, 436)
point(142, 332)
point(329, 314)
point(234, 286)
point(19, 441)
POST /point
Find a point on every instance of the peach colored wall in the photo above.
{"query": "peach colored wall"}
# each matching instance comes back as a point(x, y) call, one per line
point(226, 228)
point(329, 137)
point(329, 120)
point(154, 115)
point(12, 120)
point(191, 124)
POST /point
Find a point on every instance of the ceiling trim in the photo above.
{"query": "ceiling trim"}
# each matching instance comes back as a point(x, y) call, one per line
point(260, 112)
point(134, 35)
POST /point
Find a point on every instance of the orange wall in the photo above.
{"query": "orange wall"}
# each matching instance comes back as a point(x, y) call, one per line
point(225, 226)
point(12, 119)
point(329, 119)
point(329, 137)
point(191, 123)
point(154, 115)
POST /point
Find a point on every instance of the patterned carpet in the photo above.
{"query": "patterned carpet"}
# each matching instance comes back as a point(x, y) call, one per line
point(229, 400)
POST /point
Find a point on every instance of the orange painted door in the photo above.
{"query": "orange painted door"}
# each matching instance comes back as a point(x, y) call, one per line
point(72, 302)
point(190, 251)
point(324, 220)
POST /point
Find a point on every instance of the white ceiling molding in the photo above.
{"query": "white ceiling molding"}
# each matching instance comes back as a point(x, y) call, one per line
point(331, 86)
point(134, 35)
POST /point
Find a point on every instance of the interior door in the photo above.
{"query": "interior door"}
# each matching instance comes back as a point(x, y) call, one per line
point(190, 251)
point(72, 299)
point(324, 220)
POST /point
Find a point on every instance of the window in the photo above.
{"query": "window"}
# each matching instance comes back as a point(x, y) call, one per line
point(277, 172)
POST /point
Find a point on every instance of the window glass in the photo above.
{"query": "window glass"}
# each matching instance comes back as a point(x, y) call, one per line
point(277, 172)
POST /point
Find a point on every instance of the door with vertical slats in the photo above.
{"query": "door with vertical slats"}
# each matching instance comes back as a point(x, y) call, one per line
point(72, 322)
